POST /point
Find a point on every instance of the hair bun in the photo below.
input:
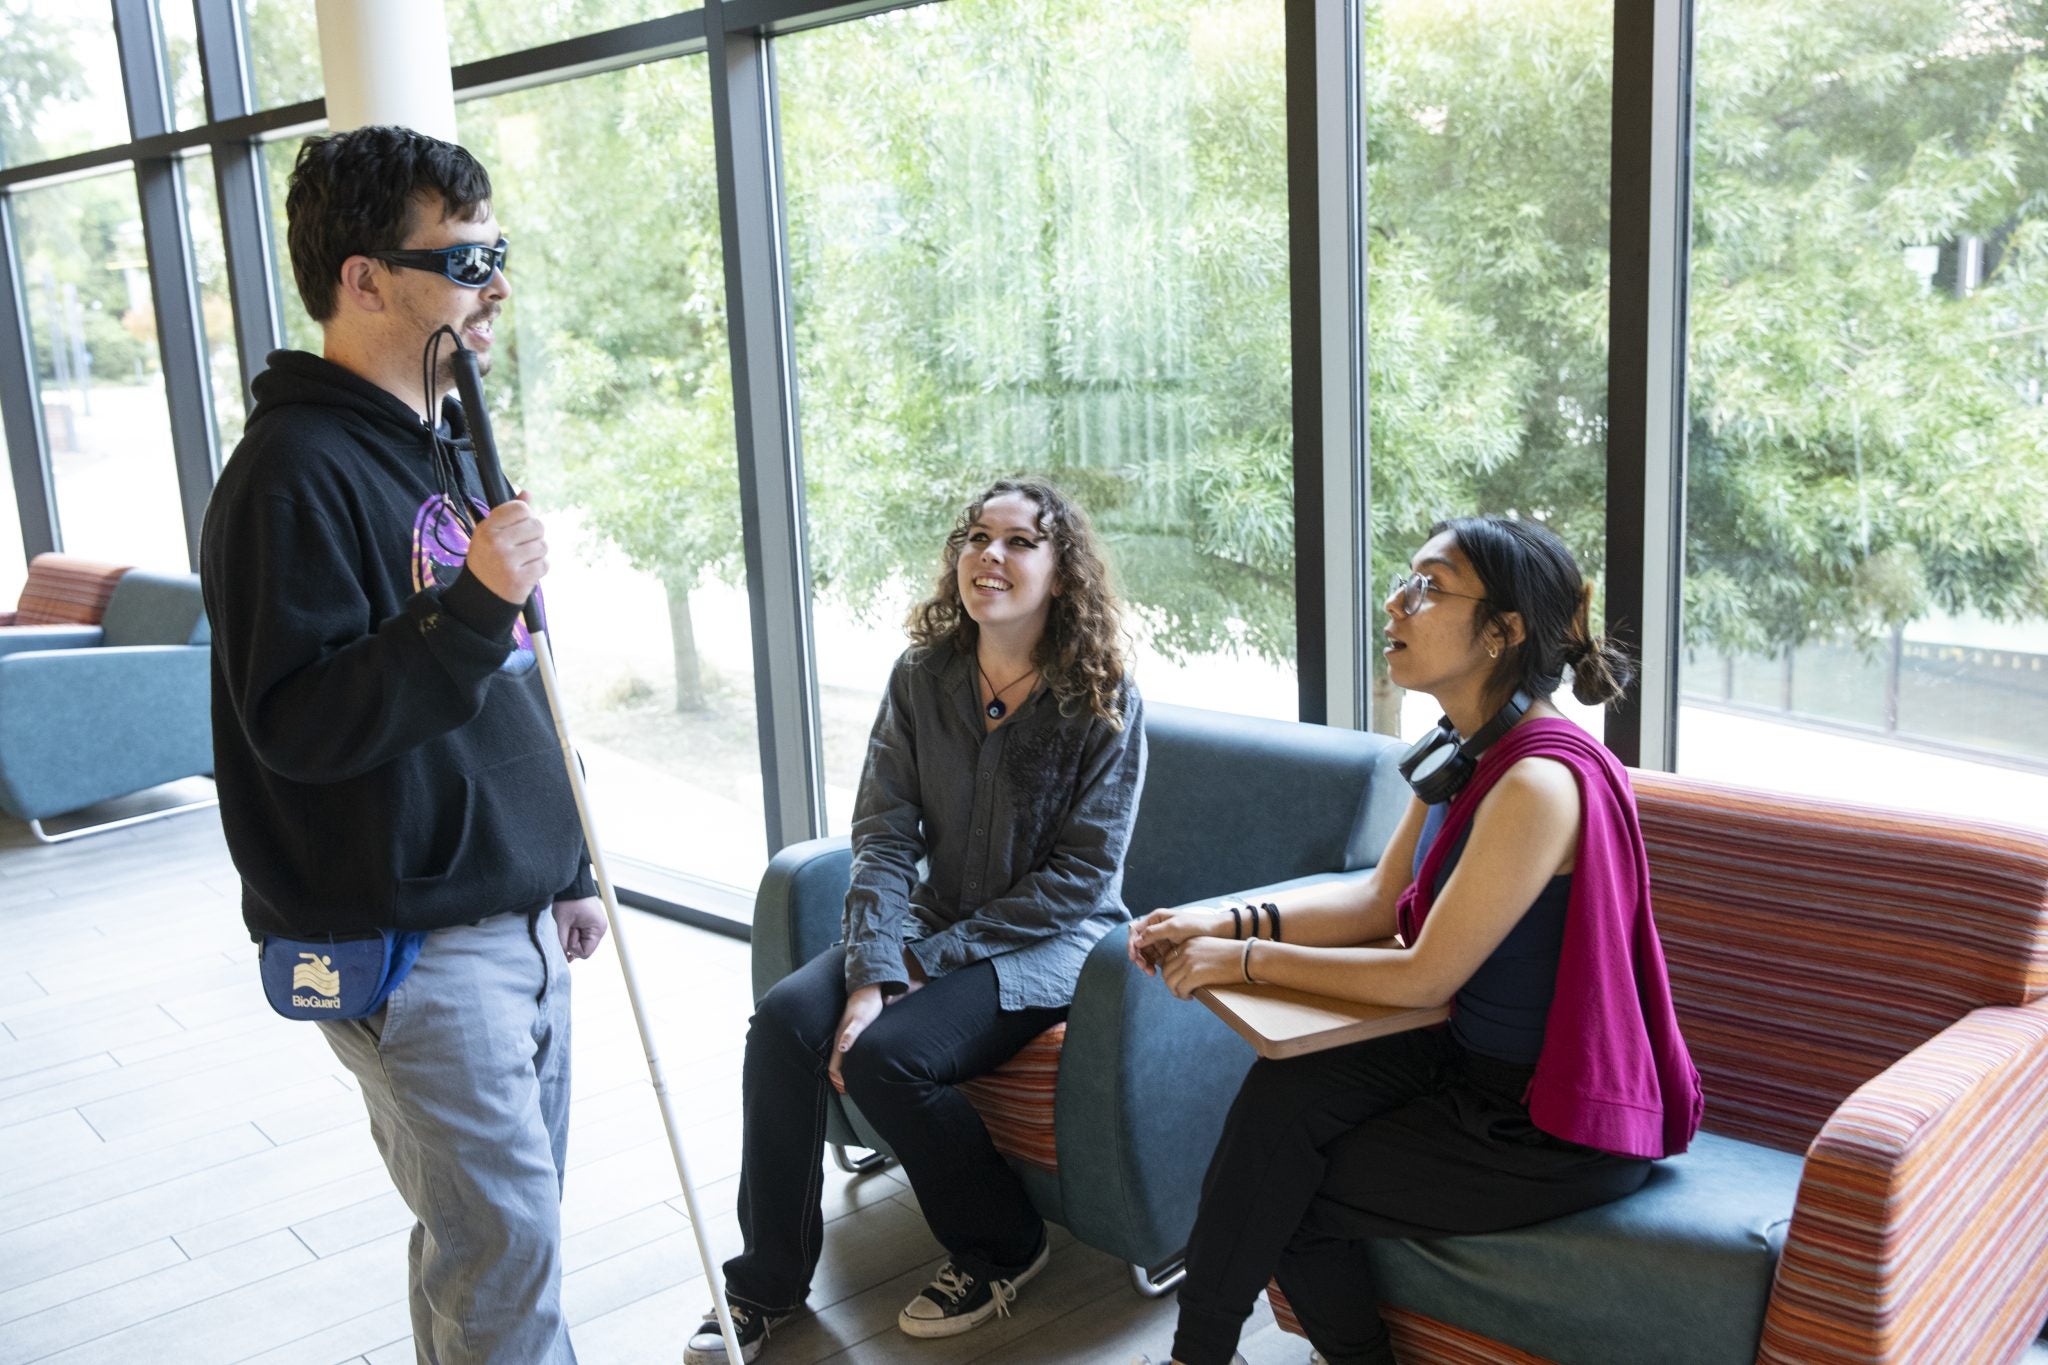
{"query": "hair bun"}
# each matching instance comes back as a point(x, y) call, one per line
point(1601, 669)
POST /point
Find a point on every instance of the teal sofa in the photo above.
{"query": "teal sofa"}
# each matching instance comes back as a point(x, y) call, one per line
point(92, 712)
point(1140, 1083)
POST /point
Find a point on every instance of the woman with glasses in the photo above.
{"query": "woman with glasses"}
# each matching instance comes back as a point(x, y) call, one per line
point(1518, 889)
point(989, 830)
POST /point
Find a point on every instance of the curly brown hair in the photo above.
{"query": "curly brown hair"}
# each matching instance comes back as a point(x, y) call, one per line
point(1079, 655)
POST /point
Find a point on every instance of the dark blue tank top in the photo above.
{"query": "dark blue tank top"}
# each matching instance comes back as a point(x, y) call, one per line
point(1501, 1011)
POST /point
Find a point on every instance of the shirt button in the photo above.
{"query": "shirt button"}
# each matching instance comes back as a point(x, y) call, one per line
point(972, 883)
point(978, 833)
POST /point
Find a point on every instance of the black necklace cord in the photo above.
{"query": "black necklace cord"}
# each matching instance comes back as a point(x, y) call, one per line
point(469, 386)
point(997, 708)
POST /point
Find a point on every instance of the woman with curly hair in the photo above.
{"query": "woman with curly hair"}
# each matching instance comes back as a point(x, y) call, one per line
point(1006, 759)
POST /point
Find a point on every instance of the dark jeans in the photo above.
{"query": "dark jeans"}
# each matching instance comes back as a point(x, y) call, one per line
point(1403, 1136)
point(902, 1073)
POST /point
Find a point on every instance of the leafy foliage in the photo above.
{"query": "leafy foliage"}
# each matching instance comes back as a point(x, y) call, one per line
point(1052, 235)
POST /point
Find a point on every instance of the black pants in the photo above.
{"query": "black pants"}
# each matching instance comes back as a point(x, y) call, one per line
point(902, 1073)
point(1403, 1136)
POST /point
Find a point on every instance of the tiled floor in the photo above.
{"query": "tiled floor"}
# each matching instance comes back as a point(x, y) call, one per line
point(185, 1177)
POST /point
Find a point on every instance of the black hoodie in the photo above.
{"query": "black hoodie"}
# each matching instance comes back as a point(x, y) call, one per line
point(381, 739)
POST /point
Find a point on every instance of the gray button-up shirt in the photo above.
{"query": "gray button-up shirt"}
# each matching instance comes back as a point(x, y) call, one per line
point(1004, 844)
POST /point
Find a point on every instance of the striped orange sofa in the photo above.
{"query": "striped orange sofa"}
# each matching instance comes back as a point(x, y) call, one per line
point(1863, 993)
point(63, 590)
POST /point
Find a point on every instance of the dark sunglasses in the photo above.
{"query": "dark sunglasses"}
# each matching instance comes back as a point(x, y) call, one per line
point(470, 265)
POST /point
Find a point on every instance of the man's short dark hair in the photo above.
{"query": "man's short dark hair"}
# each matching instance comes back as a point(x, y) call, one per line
point(352, 193)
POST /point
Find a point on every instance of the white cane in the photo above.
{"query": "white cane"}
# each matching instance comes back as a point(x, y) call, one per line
point(469, 382)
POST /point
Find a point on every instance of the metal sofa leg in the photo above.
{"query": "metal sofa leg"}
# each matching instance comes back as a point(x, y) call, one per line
point(35, 827)
point(1158, 1284)
point(873, 1161)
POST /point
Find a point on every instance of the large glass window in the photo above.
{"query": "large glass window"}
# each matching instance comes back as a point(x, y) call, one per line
point(1489, 125)
point(181, 62)
point(614, 398)
point(13, 566)
point(87, 280)
point(284, 51)
point(1866, 602)
point(301, 333)
point(1046, 237)
point(60, 81)
point(489, 28)
point(216, 309)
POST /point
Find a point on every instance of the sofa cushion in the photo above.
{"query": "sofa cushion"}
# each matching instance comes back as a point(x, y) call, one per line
point(1015, 1100)
point(67, 590)
point(36, 639)
point(1235, 801)
point(1679, 1272)
point(156, 609)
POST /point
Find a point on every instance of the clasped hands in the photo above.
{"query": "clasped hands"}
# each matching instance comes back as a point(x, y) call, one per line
point(1183, 947)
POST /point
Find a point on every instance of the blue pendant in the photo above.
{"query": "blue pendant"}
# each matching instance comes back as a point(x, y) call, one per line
point(996, 710)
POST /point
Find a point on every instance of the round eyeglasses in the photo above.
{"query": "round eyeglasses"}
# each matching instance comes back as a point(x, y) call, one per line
point(1410, 590)
point(469, 264)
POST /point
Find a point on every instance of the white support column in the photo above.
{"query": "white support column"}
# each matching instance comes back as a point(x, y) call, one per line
point(386, 61)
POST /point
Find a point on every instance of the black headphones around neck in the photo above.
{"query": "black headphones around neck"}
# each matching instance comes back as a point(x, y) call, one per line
point(1439, 764)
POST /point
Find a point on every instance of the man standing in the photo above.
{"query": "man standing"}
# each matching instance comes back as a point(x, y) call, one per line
point(385, 759)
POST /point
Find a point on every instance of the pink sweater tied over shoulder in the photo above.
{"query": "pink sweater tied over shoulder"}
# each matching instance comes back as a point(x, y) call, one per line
point(1614, 1072)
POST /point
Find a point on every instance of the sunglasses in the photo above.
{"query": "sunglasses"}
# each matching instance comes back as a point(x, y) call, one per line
point(470, 265)
point(1411, 589)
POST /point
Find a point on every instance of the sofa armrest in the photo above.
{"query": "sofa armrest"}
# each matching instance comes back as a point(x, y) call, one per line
point(1921, 1227)
point(36, 639)
point(79, 726)
point(798, 909)
point(1145, 1083)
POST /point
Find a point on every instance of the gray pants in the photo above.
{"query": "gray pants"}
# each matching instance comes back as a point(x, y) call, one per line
point(466, 1077)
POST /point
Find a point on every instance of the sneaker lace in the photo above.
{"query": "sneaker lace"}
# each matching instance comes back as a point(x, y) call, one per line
point(953, 1282)
point(1005, 1292)
point(740, 1316)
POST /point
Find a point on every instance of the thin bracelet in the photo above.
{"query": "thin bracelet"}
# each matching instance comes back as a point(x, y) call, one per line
point(1236, 923)
point(1255, 918)
point(1274, 911)
point(1246, 966)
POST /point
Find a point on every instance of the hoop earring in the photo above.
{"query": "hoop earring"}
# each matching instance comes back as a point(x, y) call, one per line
point(1493, 653)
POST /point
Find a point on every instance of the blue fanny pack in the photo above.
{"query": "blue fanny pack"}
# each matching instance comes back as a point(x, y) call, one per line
point(335, 977)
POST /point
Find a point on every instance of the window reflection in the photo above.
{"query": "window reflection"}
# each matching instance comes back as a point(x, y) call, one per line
point(490, 28)
point(284, 51)
point(216, 309)
point(13, 565)
point(94, 327)
point(1865, 614)
point(1488, 126)
point(62, 82)
point(613, 396)
point(1052, 240)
